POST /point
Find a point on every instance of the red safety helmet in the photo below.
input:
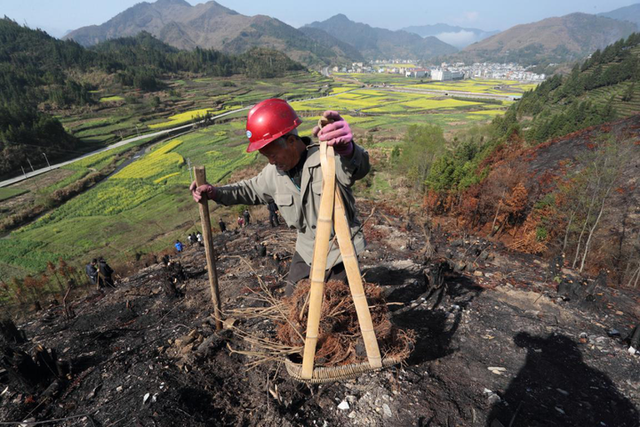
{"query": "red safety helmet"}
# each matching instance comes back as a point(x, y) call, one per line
point(268, 121)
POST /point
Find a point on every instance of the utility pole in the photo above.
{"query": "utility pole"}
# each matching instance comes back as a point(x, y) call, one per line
point(45, 157)
point(32, 169)
point(137, 131)
point(23, 172)
point(190, 171)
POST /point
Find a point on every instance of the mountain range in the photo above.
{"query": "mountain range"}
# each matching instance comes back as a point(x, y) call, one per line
point(380, 43)
point(339, 40)
point(552, 40)
point(211, 25)
point(459, 37)
point(627, 13)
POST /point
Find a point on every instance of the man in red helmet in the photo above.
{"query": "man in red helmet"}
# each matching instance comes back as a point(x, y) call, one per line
point(293, 179)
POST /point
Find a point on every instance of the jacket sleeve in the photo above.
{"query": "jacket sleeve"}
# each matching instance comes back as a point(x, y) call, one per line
point(254, 191)
point(348, 171)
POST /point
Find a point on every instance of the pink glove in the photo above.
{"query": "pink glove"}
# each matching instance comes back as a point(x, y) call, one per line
point(207, 191)
point(337, 133)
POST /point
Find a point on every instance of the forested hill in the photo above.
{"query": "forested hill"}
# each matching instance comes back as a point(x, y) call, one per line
point(602, 88)
point(39, 73)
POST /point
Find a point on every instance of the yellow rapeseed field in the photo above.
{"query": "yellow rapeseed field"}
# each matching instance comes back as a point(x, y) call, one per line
point(159, 162)
point(182, 118)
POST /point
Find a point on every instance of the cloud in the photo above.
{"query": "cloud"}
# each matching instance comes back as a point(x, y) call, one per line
point(458, 39)
point(468, 17)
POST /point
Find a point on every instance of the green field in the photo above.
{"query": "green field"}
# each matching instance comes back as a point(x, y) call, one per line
point(126, 114)
point(7, 193)
point(146, 206)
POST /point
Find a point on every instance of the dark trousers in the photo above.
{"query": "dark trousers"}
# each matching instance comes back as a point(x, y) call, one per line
point(273, 219)
point(300, 270)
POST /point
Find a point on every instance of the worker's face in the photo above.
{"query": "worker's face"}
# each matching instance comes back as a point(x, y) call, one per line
point(284, 155)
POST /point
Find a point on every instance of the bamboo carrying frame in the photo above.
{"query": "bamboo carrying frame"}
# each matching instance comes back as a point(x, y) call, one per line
point(332, 209)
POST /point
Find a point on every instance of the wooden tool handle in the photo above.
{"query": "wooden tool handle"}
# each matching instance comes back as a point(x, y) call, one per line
point(320, 252)
point(201, 179)
point(350, 261)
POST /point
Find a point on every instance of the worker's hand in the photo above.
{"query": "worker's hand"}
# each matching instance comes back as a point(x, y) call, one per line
point(206, 191)
point(336, 133)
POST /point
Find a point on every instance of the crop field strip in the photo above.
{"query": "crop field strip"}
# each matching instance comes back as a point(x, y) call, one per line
point(7, 193)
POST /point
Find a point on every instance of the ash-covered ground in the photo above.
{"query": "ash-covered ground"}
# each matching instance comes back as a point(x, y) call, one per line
point(496, 343)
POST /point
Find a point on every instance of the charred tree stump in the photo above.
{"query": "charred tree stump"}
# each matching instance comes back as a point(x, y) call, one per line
point(174, 274)
point(10, 334)
point(30, 374)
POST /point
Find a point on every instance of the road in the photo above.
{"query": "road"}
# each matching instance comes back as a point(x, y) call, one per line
point(110, 147)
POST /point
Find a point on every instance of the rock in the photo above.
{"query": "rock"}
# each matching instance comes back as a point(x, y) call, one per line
point(386, 410)
point(459, 267)
point(343, 406)
point(457, 243)
point(478, 273)
point(352, 414)
point(493, 398)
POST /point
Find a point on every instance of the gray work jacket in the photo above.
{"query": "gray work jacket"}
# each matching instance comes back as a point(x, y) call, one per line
point(299, 206)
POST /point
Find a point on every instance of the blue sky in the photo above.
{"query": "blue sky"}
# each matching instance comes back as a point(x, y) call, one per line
point(59, 16)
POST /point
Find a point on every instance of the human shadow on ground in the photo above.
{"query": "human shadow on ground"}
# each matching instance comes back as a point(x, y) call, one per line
point(430, 304)
point(555, 387)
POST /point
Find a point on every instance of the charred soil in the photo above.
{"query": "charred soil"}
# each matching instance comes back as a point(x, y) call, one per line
point(496, 344)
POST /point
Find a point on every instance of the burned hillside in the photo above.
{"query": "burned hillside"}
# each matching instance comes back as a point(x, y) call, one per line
point(499, 342)
point(576, 195)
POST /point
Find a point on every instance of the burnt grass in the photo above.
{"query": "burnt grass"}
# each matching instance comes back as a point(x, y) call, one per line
point(147, 354)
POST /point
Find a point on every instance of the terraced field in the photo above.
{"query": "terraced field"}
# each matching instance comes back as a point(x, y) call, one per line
point(498, 87)
point(617, 93)
point(122, 115)
point(390, 112)
point(145, 206)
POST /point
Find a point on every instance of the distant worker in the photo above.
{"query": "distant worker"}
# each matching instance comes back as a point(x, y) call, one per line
point(293, 179)
point(92, 271)
point(273, 213)
point(179, 246)
point(223, 226)
point(246, 216)
point(240, 222)
point(200, 239)
point(105, 274)
point(192, 239)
